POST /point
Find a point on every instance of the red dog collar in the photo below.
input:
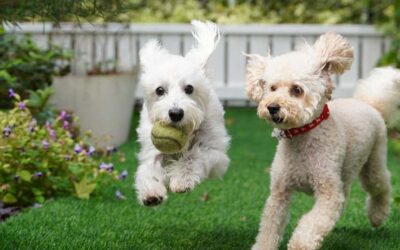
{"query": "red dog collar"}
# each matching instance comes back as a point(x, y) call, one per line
point(290, 133)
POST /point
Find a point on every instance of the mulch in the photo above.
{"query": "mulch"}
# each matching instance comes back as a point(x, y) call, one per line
point(7, 211)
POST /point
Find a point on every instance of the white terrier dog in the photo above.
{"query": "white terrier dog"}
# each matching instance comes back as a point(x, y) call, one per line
point(324, 144)
point(177, 91)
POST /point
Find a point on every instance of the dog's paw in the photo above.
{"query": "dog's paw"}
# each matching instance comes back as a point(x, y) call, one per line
point(304, 244)
point(183, 183)
point(152, 198)
point(378, 210)
point(152, 201)
point(152, 193)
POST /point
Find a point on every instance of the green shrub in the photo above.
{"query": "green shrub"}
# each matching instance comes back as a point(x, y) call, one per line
point(24, 66)
point(391, 28)
point(38, 162)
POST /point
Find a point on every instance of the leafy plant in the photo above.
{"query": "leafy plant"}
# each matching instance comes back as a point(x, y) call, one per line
point(39, 106)
point(391, 28)
point(57, 10)
point(25, 67)
point(38, 162)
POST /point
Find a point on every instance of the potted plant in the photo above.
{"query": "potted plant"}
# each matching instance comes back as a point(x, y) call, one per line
point(103, 99)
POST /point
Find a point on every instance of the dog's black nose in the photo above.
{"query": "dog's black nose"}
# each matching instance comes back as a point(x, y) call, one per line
point(273, 109)
point(175, 114)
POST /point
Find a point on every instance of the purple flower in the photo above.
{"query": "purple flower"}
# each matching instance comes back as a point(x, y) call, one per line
point(103, 166)
point(119, 195)
point(38, 174)
point(68, 117)
point(110, 167)
point(53, 135)
point(62, 115)
point(47, 125)
point(21, 105)
point(106, 167)
point(65, 125)
point(123, 175)
point(77, 148)
point(7, 131)
point(45, 144)
point(32, 125)
point(11, 93)
point(90, 151)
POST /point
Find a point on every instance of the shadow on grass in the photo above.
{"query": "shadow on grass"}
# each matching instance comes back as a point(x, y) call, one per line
point(370, 238)
point(365, 238)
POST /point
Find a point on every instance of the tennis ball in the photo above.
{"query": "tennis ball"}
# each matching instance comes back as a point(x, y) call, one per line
point(167, 138)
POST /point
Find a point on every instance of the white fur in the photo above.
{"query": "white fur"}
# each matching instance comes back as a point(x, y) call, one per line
point(325, 161)
point(205, 154)
point(384, 96)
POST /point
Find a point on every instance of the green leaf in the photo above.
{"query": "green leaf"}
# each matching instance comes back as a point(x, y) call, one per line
point(83, 189)
point(37, 192)
point(25, 175)
point(74, 168)
point(9, 198)
point(39, 199)
point(35, 101)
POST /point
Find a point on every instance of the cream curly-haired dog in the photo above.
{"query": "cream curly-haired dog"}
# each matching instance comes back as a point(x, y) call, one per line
point(324, 145)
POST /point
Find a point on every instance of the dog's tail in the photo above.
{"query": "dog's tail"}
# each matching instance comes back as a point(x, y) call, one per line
point(381, 90)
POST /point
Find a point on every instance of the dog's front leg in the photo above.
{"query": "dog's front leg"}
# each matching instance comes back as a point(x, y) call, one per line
point(150, 181)
point(273, 220)
point(196, 166)
point(316, 224)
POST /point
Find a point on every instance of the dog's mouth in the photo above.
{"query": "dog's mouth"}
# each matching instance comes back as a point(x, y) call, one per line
point(277, 119)
point(187, 127)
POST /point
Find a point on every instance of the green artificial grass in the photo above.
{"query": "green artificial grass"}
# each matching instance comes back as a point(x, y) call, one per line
point(216, 215)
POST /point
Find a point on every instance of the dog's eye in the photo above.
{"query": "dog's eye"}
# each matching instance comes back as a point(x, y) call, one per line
point(272, 88)
point(296, 91)
point(160, 91)
point(188, 89)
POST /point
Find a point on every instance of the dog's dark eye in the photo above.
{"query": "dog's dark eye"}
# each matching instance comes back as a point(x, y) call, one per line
point(188, 89)
point(160, 91)
point(296, 91)
point(272, 88)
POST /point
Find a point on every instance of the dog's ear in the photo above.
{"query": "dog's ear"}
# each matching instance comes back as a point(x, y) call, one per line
point(150, 53)
point(334, 52)
point(207, 37)
point(255, 68)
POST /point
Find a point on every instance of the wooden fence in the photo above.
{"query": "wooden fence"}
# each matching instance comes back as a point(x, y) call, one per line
point(94, 44)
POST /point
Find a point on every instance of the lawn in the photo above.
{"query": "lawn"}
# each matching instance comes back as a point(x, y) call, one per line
point(216, 215)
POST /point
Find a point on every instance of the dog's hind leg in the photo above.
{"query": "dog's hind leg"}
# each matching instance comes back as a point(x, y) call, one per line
point(375, 179)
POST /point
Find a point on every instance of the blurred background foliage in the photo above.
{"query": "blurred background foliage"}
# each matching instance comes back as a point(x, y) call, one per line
point(383, 13)
point(221, 11)
point(256, 11)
